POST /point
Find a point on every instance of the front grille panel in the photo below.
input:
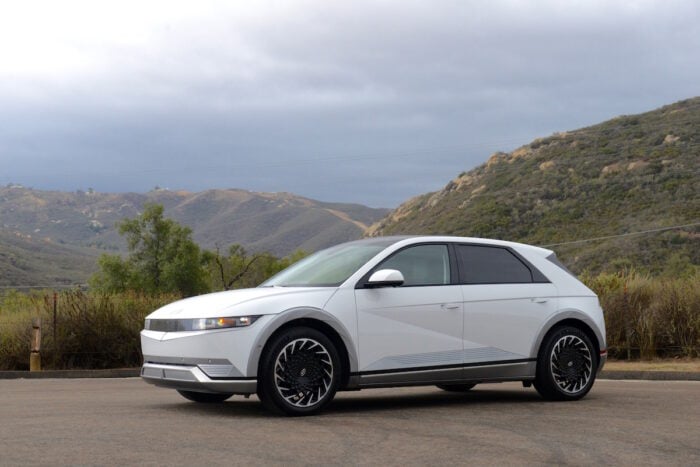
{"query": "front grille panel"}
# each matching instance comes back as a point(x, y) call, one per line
point(169, 325)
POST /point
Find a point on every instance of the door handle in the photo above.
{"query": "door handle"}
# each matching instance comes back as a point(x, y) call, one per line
point(539, 300)
point(450, 306)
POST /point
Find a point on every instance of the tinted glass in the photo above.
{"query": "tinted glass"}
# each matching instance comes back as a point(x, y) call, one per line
point(421, 265)
point(553, 258)
point(490, 265)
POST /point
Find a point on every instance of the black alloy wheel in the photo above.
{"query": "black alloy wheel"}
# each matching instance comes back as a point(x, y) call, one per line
point(566, 365)
point(299, 372)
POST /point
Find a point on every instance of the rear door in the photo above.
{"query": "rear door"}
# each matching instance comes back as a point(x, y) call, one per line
point(506, 303)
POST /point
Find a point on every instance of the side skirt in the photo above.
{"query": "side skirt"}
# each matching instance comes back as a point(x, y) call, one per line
point(513, 370)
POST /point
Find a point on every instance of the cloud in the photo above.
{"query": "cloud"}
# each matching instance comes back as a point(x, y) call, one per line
point(365, 101)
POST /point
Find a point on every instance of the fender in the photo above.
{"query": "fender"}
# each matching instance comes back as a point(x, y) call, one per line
point(291, 315)
point(560, 316)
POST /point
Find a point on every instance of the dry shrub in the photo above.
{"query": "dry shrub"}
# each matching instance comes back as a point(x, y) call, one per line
point(93, 330)
point(650, 317)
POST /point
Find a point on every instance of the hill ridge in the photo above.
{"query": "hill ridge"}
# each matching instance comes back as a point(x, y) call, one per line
point(82, 224)
point(628, 173)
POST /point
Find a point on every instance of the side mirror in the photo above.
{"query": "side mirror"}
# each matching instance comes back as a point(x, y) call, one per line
point(385, 278)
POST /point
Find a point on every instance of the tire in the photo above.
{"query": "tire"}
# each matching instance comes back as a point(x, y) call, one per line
point(205, 397)
point(299, 372)
point(566, 365)
point(455, 387)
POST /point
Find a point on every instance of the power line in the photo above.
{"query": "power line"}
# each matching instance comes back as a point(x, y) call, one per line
point(606, 237)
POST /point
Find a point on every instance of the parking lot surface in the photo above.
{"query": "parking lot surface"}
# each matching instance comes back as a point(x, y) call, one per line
point(125, 421)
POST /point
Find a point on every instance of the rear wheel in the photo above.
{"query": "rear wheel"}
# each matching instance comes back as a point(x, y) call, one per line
point(204, 397)
point(299, 372)
point(566, 365)
point(455, 387)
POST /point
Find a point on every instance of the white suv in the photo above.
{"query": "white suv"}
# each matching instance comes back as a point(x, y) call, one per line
point(393, 311)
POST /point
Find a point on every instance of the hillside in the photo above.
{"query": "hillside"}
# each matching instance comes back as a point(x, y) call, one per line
point(37, 262)
point(40, 227)
point(625, 175)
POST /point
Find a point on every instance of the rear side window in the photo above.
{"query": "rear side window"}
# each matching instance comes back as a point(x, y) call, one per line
point(490, 265)
point(553, 258)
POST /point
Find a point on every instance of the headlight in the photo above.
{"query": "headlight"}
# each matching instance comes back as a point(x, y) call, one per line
point(199, 324)
point(220, 323)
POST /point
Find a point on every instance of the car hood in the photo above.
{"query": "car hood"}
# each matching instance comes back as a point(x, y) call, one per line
point(243, 302)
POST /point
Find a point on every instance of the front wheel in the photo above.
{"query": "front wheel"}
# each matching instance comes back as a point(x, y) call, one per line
point(299, 372)
point(204, 397)
point(566, 365)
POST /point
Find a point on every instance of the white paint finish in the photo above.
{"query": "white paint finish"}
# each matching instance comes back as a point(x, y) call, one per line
point(242, 302)
point(590, 308)
point(386, 275)
point(407, 320)
point(506, 316)
point(342, 306)
point(234, 345)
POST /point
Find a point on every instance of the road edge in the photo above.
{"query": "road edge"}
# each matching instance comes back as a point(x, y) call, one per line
point(650, 375)
point(69, 374)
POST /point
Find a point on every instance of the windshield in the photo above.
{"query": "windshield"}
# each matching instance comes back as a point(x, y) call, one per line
point(327, 268)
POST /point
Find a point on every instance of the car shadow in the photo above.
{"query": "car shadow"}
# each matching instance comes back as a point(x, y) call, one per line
point(363, 401)
point(438, 398)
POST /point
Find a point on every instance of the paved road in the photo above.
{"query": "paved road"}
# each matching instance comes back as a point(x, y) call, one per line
point(125, 421)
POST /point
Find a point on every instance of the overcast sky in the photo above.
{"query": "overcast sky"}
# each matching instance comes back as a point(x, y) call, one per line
point(358, 101)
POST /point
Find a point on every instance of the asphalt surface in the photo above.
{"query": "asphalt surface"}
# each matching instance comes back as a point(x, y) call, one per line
point(125, 421)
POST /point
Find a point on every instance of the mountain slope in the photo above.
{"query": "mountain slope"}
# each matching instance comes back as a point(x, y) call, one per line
point(37, 262)
point(628, 174)
point(47, 225)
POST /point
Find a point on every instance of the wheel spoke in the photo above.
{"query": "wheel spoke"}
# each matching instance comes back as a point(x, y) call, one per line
point(303, 372)
point(571, 364)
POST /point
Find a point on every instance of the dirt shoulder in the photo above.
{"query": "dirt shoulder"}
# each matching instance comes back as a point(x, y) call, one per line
point(685, 365)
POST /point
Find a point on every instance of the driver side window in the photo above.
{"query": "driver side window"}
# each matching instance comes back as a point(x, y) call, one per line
point(421, 265)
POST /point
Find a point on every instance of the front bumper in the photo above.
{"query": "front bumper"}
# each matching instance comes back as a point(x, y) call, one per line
point(192, 378)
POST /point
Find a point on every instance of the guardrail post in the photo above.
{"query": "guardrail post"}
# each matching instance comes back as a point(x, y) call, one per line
point(35, 354)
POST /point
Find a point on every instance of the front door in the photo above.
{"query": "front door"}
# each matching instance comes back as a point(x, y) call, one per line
point(412, 332)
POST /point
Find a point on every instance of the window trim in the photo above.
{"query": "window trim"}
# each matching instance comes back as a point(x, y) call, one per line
point(534, 272)
point(454, 271)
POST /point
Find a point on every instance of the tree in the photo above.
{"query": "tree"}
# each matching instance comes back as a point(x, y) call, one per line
point(241, 270)
point(162, 258)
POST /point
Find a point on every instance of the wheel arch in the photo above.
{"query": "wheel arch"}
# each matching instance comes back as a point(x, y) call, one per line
point(309, 317)
point(573, 318)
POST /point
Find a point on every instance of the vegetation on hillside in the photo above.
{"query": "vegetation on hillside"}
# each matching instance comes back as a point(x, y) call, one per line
point(26, 260)
point(629, 174)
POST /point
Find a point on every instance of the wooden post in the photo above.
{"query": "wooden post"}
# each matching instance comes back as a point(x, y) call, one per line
point(35, 354)
point(53, 329)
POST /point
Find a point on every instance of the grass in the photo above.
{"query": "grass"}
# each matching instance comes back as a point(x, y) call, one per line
point(689, 365)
